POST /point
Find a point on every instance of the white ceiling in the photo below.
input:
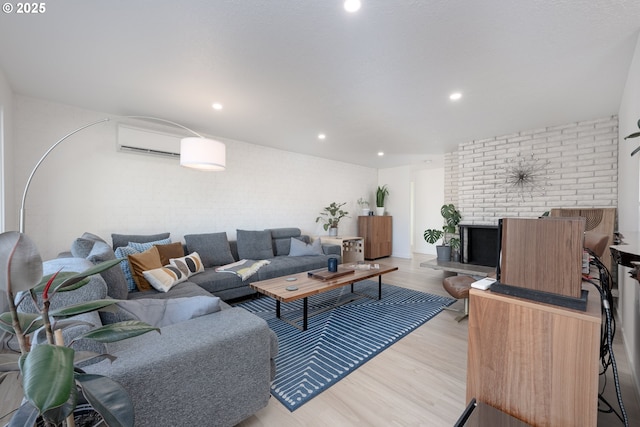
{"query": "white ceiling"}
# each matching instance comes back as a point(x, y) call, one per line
point(286, 70)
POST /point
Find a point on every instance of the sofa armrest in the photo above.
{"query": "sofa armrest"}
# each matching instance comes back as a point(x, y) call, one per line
point(330, 249)
point(211, 370)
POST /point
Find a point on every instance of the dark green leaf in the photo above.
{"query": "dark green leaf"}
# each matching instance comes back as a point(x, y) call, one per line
point(20, 262)
point(108, 398)
point(83, 307)
point(118, 331)
point(635, 151)
point(633, 135)
point(28, 321)
point(432, 236)
point(59, 280)
point(57, 415)
point(47, 372)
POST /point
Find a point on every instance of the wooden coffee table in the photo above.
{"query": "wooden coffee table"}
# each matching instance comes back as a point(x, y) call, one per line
point(308, 286)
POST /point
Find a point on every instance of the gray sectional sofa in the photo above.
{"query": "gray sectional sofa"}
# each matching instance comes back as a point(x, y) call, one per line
point(213, 369)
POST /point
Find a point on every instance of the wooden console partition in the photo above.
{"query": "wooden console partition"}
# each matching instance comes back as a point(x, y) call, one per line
point(543, 254)
point(536, 362)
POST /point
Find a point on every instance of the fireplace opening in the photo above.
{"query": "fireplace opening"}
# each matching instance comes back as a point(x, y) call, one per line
point(479, 244)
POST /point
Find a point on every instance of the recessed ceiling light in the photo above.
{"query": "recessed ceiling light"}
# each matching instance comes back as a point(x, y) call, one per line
point(216, 106)
point(322, 136)
point(352, 5)
point(455, 96)
point(380, 153)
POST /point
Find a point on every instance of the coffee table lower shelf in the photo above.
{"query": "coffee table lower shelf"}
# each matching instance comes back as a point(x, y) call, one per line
point(307, 287)
point(339, 302)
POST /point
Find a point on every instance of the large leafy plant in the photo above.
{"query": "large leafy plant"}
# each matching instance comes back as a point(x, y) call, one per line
point(50, 379)
point(634, 135)
point(452, 218)
point(331, 215)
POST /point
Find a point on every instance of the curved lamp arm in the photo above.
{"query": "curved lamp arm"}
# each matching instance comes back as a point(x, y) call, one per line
point(193, 154)
point(44, 156)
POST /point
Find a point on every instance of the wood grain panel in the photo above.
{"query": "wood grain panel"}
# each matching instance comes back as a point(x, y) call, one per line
point(543, 254)
point(377, 232)
point(536, 362)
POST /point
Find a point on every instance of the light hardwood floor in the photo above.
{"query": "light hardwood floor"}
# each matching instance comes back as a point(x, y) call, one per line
point(418, 381)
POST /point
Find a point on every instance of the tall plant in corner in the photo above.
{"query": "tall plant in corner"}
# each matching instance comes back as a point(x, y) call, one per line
point(448, 232)
point(50, 380)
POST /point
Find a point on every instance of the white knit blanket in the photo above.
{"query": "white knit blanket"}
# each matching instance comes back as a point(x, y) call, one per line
point(244, 268)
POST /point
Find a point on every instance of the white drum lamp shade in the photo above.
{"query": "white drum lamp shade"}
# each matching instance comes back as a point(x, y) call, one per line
point(202, 153)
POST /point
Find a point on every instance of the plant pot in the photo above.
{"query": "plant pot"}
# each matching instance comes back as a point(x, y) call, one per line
point(333, 231)
point(455, 255)
point(365, 211)
point(444, 253)
point(380, 210)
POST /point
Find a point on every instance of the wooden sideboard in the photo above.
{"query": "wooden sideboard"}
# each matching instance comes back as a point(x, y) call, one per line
point(534, 361)
point(377, 233)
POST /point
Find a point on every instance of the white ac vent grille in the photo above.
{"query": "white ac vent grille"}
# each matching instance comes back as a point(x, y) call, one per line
point(148, 142)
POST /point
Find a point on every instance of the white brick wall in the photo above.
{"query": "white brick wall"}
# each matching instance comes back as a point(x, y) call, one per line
point(581, 171)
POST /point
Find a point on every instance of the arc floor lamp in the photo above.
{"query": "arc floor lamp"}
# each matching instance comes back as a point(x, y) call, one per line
point(196, 152)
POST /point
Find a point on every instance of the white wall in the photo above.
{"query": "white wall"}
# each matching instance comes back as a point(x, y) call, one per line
point(6, 152)
point(398, 205)
point(429, 192)
point(87, 185)
point(628, 217)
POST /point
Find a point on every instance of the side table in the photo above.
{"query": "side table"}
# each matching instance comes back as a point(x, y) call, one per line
point(352, 247)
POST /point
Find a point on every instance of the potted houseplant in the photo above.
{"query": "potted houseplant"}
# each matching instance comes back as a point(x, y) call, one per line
point(381, 194)
point(331, 216)
point(364, 206)
point(452, 218)
point(51, 382)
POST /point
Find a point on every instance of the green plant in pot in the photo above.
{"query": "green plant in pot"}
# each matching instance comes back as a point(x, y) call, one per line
point(447, 233)
point(51, 382)
point(331, 216)
point(381, 195)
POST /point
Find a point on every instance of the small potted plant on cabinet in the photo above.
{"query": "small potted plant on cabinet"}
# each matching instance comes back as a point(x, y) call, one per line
point(452, 218)
point(381, 194)
point(364, 206)
point(331, 216)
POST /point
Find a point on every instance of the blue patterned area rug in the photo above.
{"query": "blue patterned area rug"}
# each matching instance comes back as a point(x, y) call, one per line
point(339, 340)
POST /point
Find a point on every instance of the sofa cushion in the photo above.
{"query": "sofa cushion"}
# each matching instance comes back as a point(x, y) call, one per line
point(164, 278)
point(124, 239)
point(188, 265)
point(300, 248)
point(181, 290)
point(213, 281)
point(213, 248)
point(254, 244)
point(164, 312)
point(282, 239)
point(171, 250)
point(144, 261)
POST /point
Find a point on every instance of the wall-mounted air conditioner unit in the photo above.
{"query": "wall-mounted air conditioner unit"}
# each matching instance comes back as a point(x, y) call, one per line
point(145, 141)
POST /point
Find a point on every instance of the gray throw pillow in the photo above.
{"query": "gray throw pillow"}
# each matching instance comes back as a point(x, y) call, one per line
point(124, 239)
point(116, 282)
point(300, 248)
point(254, 244)
point(213, 248)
